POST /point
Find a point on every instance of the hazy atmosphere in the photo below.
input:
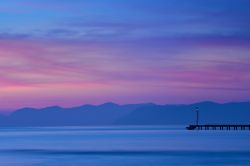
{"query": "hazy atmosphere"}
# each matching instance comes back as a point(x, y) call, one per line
point(61, 52)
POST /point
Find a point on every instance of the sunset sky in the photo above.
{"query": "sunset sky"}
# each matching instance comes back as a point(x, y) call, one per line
point(72, 52)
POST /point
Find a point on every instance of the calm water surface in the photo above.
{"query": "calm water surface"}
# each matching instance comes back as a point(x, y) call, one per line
point(122, 146)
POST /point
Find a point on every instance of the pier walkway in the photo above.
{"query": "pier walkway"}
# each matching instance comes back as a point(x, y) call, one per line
point(218, 127)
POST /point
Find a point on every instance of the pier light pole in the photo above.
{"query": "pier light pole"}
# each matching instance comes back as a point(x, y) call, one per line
point(197, 115)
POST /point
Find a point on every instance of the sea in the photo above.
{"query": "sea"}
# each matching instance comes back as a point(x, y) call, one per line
point(122, 146)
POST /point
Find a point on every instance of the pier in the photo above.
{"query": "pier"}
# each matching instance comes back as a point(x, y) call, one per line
point(197, 126)
point(218, 127)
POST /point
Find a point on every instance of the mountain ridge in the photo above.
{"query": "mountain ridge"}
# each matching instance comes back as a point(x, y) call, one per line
point(129, 114)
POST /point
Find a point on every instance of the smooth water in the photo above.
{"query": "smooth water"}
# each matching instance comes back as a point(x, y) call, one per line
point(122, 146)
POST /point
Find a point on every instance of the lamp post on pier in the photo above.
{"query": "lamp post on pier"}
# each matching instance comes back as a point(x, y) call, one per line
point(197, 115)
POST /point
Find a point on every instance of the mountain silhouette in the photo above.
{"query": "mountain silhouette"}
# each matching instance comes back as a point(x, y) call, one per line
point(130, 114)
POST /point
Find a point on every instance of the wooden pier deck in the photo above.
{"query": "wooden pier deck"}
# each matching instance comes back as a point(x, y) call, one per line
point(218, 127)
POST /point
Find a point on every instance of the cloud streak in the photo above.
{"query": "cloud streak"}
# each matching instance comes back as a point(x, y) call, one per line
point(91, 51)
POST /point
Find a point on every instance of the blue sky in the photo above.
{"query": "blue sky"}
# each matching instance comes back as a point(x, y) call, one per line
point(145, 18)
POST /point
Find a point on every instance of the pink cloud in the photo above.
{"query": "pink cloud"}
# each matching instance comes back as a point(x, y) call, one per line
point(40, 73)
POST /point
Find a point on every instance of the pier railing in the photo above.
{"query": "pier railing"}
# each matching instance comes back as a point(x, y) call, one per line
point(218, 127)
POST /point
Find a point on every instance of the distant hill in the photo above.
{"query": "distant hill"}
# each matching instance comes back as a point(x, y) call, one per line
point(130, 114)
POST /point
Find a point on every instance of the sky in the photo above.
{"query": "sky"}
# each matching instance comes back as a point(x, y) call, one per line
point(68, 53)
